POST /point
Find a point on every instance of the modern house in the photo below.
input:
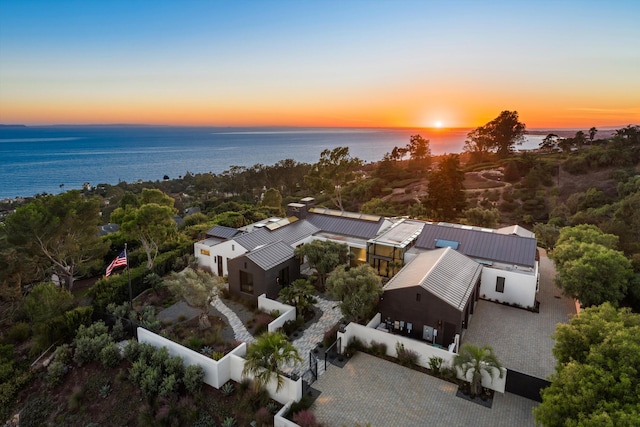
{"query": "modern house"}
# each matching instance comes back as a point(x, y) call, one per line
point(259, 258)
point(510, 265)
point(432, 297)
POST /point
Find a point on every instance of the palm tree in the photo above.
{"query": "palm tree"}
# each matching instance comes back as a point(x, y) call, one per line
point(476, 360)
point(592, 133)
point(267, 356)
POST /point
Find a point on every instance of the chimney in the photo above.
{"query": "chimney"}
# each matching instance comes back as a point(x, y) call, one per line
point(301, 209)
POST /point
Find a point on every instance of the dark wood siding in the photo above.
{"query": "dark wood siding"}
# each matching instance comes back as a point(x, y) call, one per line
point(264, 282)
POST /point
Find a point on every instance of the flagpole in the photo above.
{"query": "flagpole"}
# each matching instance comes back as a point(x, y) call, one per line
point(126, 255)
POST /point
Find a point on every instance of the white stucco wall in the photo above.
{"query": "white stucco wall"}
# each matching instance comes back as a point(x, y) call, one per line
point(519, 287)
point(287, 312)
point(226, 249)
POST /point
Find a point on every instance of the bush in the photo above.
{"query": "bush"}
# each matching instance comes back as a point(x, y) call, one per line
point(378, 348)
point(110, 355)
point(169, 386)
point(90, 341)
point(55, 373)
point(193, 376)
point(406, 357)
point(132, 351)
point(305, 418)
point(435, 363)
point(19, 332)
point(303, 404)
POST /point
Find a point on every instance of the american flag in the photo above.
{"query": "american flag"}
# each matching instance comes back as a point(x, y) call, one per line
point(120, 261)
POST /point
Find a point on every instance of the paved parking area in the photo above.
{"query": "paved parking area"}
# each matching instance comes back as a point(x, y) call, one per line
point(522, 339)
point(372, 390)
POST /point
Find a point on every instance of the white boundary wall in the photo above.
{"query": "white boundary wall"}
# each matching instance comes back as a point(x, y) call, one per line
point(287, 312)
point(279, 419)
point(230, 367)
point(425, 351)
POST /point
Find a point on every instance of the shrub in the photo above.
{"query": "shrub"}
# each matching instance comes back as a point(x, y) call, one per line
point(193, 376)
point(435, 363)
point(217, 355)
point(19, 332)
point(229, 422)
point(406, 357)
point(110, 355)
point(132, 350)
point(305, 418)
point(227, 388)
point(55, 373)
point(63, 353)
point(169, 386)
point(150, 381)
point(117, 331)
point(174, 366)
point(301, 405)
point(378, 349)
point(89, 341)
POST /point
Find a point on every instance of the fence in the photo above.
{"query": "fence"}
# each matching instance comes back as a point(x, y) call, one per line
point(230, 367)
point(287, 312)
point(525, 385)
point(367, 334)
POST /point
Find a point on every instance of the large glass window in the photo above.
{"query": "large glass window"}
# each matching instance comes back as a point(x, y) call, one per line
point(246, 282)
point(500, 284)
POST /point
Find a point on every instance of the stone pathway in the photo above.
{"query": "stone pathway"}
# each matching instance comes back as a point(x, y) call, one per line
point(234, 321)
point(314, 334)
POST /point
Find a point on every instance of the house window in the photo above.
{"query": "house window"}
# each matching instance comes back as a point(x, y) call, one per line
point(500, 284)
point(418, 297)
point(246, 282)
point(205, 252)
point(233, 247)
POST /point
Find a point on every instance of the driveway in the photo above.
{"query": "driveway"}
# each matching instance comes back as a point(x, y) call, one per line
point(372, 390)
point(522, 339)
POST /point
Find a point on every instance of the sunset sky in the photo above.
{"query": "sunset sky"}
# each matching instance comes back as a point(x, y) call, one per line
point(321, 63)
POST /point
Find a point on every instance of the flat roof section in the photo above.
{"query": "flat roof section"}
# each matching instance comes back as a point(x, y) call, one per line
point(401, 234)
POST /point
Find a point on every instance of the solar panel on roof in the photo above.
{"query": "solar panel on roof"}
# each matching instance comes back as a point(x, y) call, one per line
point(442, 243)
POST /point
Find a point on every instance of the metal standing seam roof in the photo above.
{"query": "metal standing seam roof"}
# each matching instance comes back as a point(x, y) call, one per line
point(289, 234)
point(223, 232)
point(364, 229)
point(267, 257)
point(509, 249)
point(445, 273)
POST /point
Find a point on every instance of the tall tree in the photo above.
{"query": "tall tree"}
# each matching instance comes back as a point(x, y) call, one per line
point(589, 268)
point(359, 289)
point(550, 142)
point(499, 135)
point(476, 360)
point(59, 234)
point(420, 152)
point(151, 223)
point(267, 356)
point(592, 133)
point(324, 256)
point(446, 198)
point(335, 169)
point(596, 381)
point(273, 198)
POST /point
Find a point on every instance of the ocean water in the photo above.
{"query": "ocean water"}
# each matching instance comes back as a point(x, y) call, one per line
point(53, 159)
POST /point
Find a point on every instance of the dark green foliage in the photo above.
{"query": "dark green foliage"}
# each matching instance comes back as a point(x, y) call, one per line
point(90, 341)
point(378, 348)
point(36, 410)
point(19, 332)
point(596, 379)
point(193, 376)
point(358, 289)
point(110, 355)
point(446, 198)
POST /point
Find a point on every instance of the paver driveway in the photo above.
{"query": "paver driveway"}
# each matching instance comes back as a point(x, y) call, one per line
point(522, 339)
point(373, 390)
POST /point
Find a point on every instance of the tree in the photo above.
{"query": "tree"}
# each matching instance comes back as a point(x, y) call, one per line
point(588, 267)
point(446, 197)
point(596, 379)
point(335, 169)
point(151, 223)
point(592, 133)
point(324, 256)
point(476, 360)
point(59, 234)
point(44, 303)
point(300, 293)
point(481, 217)
point(420, 152)
point(499, 135)
point(550, 142)
point(198, 289)
point(272, 197)
point(580, 138)
point(359, 289)
point(267, 356)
